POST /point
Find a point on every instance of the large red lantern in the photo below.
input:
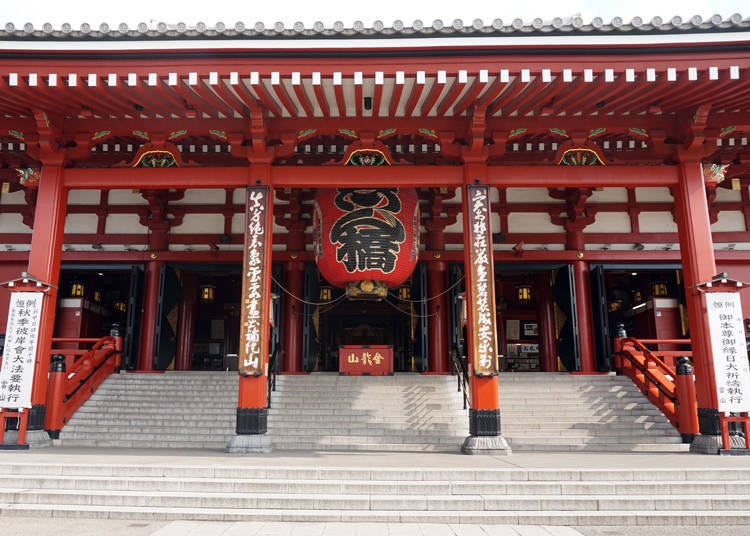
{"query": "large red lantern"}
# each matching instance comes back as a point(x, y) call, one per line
point(368, 235)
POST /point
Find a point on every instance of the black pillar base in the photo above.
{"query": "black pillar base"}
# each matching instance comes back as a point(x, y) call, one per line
point(252, 421)
point(484, 422)
point(708, 421)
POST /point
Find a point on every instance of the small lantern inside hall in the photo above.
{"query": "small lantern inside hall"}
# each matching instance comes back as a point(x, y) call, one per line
point(77, 289)
point(366, 240)
point(524, 294)
point(207, 293)
point(120, 306)
point(659, 289)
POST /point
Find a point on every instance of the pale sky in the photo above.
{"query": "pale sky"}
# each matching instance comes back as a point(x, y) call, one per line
point(132, 12)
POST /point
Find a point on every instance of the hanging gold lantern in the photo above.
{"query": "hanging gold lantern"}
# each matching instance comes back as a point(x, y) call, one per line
point(659, 289)
point(207, 293)
point(524, 294)
point(77, 289)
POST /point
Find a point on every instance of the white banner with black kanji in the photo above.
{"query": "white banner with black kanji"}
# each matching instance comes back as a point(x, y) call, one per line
point(19, 353)
point(731, 370)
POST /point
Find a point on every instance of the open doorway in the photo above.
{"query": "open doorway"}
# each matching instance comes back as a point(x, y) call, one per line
point(646, 300)
point(332, 321)
point(95, 297)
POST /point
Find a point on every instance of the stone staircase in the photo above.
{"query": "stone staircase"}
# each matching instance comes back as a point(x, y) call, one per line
point(247, 489)
point(563, 412)
point(405, 412)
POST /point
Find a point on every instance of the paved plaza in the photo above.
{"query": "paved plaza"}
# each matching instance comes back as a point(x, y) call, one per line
point(526, 461)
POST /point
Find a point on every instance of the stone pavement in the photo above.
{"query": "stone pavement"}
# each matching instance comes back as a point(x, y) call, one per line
point(531, 460)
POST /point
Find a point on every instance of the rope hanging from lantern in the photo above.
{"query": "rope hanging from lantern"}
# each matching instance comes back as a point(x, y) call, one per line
point(306, 302)
point(436, 296)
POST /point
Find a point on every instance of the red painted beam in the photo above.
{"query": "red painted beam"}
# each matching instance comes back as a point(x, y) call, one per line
point(134, 178)
point(415, 176)
point(588, 176)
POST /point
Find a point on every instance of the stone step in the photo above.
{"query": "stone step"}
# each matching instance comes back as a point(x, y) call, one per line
point(374, 502)
point(655, 488)
point(707, 518)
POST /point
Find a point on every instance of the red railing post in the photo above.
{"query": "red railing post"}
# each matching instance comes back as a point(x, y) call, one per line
point(687, 403)
point(620, 334)
point(55, 395)
point(114, 332)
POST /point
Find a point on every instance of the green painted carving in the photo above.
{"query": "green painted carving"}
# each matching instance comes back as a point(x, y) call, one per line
point(156, 159)
point(306, 133)
point(516, 132)
point(141, 134)
point(428, 132)
point(596, 131)
point(559, 132)
point(177, 134)
point(386, 132)
point(16, 134)
point(219, 134)
point(641, 132)
point(580, 157)
point(348, 132)
point(29, 177)
point(726, 130)
point(101, 134)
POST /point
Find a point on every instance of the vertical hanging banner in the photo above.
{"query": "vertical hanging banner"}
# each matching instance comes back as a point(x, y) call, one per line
point(19, 353)
point(731, 371)
point(255, 309)
point(483, 330)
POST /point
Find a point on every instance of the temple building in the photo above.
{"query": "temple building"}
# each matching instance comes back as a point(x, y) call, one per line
point(502, 196)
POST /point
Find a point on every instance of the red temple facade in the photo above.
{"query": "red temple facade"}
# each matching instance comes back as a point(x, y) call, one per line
point(569, 177)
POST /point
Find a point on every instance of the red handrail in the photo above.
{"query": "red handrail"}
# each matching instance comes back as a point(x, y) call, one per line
point(75, 374)
point(670, 388)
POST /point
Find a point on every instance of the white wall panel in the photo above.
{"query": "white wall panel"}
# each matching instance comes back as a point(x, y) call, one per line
point(201, 224)
point(530, 195)
point(204, 196)
point(125, 197)
point(124, 223)
point(13, 223)
point(81, 223)
point(656, 222)
point(729, 221)
point(653, 195)
point(610, 222)
point(724, 194)
point(532, 222)
point(84, 197)
point(609, 195)
point(13, 198)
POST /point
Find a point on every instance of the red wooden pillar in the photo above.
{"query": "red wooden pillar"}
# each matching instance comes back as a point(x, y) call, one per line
point(252, 401)
point(583, 312)
point(481, 329)
point(698, 264)
point(44, 265)
point(546, 314)
point(575, 241)
point(148, 320)
point(438, 316)
point(295, 283)
point(186, 325)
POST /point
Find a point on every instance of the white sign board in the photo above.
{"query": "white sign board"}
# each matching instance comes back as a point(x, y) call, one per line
point(731, 370)
point(19, 354)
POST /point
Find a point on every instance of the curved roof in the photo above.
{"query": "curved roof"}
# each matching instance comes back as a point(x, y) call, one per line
point(438, 28)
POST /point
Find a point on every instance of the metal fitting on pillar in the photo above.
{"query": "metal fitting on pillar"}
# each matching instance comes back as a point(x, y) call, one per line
point(484, 422)
point(252, 421)
point(620, 331)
